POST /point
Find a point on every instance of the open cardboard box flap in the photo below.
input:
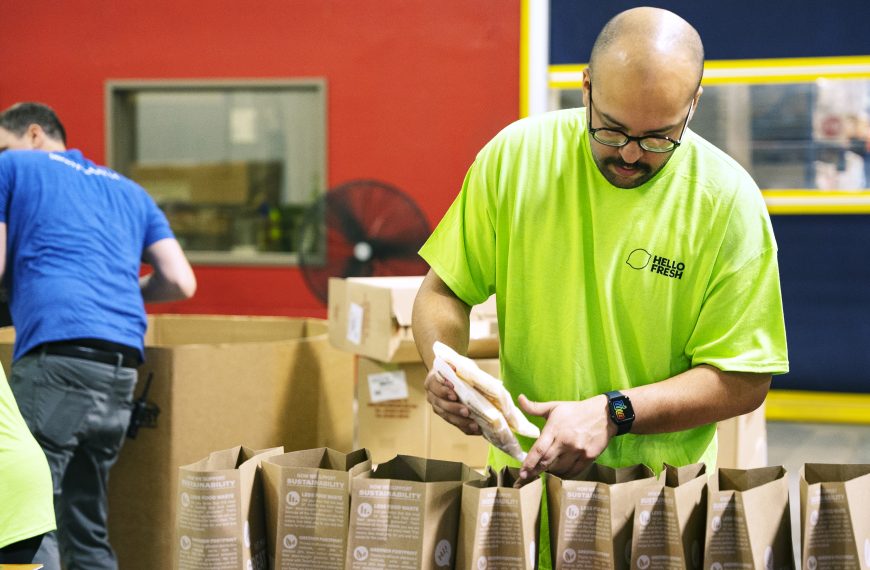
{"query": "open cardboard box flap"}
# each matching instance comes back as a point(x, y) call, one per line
point(371, 316)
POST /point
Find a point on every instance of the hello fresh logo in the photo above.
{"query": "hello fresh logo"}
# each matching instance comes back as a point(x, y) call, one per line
point(640, 259)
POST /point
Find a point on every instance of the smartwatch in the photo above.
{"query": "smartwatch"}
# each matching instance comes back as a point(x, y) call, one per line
point(621, 412)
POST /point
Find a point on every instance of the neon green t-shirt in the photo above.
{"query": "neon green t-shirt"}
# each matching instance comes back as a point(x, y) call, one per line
point(601, 288)
point(26, 499)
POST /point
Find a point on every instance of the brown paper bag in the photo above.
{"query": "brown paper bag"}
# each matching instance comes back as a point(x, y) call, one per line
point(591, 516)
point(748, 520)
point(499, 525)
point(220, 521)
point(405, 514)
point(669, 520)
point(307, 495)
point(835, 516)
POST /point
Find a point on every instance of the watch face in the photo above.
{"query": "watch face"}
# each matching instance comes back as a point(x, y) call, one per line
point(620, 410)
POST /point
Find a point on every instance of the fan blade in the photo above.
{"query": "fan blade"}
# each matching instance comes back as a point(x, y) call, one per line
point(348, 223)
point(356, 268)
point(382, 249)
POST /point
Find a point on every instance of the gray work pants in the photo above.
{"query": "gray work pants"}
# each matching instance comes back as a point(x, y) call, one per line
point(78, 411)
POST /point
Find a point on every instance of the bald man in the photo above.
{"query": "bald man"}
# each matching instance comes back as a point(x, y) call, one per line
point(633, 263)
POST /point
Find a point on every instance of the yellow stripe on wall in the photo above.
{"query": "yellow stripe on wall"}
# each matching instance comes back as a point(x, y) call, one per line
point(817, 201)
point(818, 407)
point(748, 71)
point(788, 62)
point(525, 38)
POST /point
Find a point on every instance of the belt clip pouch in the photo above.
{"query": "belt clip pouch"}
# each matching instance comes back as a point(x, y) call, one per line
point(221, 524)
point(669, 519)
point(591, 516)
point(835, 524)
point(499, 526)
point(748, 520)
point(307, 495)
point(405, 514)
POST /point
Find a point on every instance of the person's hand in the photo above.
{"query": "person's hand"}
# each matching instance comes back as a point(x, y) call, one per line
point(445, 403)
point(575, 434)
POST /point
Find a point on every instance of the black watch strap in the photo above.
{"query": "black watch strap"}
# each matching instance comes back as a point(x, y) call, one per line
point(621, 411)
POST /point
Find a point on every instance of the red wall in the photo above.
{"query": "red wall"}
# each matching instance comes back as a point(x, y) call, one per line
point(415, 88)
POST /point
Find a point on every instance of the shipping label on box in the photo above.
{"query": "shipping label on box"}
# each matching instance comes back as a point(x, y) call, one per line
point(405, 514)
point(389, 423)
point(371, 316)
point(388, 426)
point(307, 495)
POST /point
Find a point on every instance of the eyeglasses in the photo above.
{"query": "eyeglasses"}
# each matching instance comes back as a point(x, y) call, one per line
point(617, 138)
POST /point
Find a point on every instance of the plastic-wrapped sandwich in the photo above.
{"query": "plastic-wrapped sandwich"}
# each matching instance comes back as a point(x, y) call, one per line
point(490, 404)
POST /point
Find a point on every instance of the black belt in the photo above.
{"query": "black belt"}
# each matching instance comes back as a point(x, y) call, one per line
point(87, 353)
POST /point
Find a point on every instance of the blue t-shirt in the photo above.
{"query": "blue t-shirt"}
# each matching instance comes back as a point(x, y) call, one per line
point(75, 236)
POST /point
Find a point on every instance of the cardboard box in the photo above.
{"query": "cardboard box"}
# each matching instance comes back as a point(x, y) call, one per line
point(743, 441)
point(371, 316)
point(393, 415)
point(220, 382)
point(227, 183)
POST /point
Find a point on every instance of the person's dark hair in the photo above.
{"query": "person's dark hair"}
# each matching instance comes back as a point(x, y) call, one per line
point(18, 117)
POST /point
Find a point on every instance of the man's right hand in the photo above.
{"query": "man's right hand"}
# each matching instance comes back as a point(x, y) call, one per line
point(445, 403)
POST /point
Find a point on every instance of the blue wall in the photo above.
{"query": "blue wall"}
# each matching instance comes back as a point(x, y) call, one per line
point(731, 29)
point(824, 264)
point(824, 259)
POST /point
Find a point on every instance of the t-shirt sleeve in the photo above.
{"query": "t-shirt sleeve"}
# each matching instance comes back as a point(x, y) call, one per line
point(156, 224)
point(741, 327)
point(461, 250)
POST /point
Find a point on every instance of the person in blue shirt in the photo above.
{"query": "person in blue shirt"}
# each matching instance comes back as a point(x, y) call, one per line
point(73, 236)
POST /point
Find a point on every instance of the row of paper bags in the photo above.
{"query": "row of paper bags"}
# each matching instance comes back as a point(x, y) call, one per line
point(241, 509)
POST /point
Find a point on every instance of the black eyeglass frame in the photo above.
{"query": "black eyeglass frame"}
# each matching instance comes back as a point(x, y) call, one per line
point(638, 140)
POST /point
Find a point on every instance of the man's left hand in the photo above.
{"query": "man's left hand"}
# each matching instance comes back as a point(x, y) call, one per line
point(575, 434)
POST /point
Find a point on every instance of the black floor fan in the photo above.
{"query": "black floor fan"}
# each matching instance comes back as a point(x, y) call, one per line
point(363, 228)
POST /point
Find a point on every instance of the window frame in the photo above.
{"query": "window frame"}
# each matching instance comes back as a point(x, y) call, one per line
point(116, 137)
point(794, 201)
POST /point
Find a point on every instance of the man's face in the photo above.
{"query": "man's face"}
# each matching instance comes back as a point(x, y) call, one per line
point(10, 141)
point(635, 114)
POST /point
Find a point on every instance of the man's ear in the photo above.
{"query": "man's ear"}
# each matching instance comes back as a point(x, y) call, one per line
point(35, 137)
point(698, 94)
point(587, 85)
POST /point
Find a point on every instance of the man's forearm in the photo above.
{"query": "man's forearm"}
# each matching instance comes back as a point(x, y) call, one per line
point(696, 397)
point(439, 315)
point(156, 289)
